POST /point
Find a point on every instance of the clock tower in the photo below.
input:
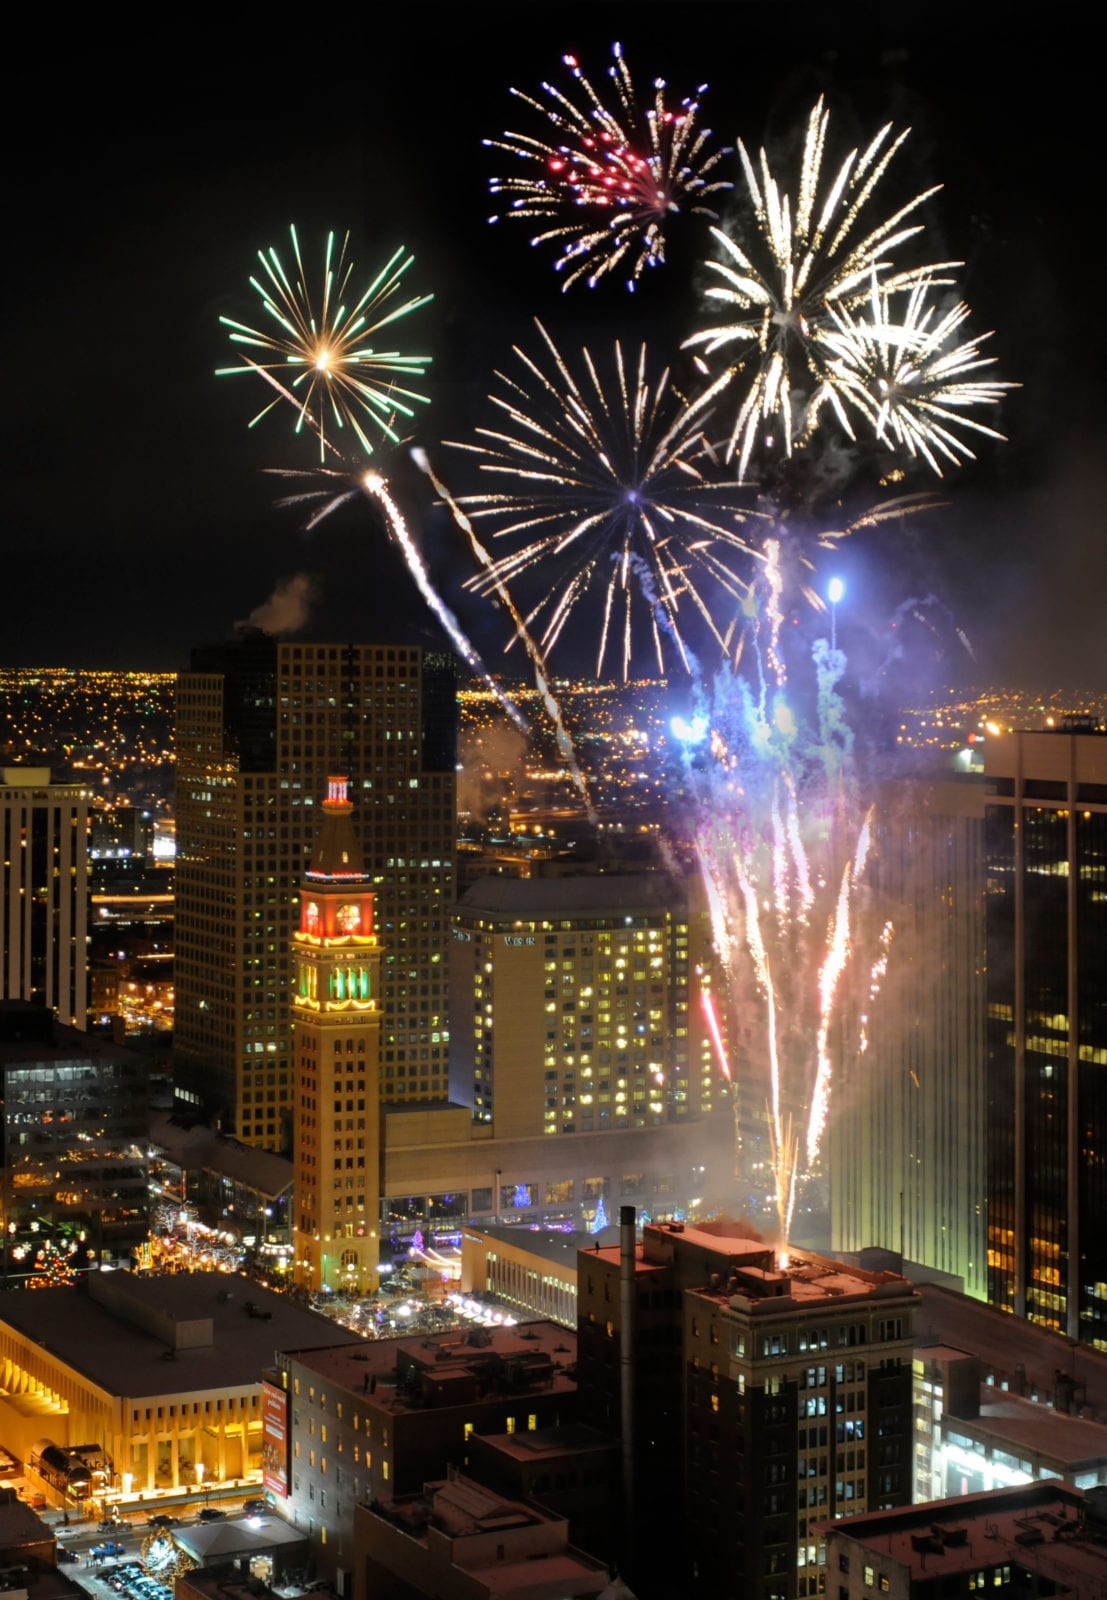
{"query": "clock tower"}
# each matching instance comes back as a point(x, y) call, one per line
point(336, 1043)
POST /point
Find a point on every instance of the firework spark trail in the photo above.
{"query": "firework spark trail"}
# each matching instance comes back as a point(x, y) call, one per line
point(549, 700)
point(780, 282)
point(602, 180)
point(800, 862)
point(756, 946)
point(323, 345)
point(768, 852)
point(774, 589)
point(600, 478)
point(876, 978)
point(715, 893)
point(711, 1017)
point(830, 974)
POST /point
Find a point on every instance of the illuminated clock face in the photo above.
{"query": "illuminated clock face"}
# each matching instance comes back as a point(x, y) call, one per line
point(348, 918)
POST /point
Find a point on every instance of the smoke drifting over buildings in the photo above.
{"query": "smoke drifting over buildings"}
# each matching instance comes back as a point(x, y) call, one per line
point(287, 608)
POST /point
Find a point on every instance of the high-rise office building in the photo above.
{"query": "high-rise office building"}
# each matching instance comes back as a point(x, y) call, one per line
point(44, 892)
point(575, 1007)
point(1046, 840)
point(905, 1144)
point(336, 1028)
point(260, 725)
point(755, 1399)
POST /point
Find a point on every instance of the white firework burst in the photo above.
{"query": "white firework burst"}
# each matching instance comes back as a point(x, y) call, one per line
point(779, 284)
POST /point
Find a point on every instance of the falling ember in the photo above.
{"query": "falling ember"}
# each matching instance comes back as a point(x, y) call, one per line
point(876, 978)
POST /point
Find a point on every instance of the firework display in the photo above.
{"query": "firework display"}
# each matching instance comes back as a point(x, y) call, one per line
point(607, 483)
point(779, 282)
point(608, 501)
point(322, 348)
point(603, 177)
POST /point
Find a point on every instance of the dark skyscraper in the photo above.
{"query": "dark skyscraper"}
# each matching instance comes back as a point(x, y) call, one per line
point(1047, 1029)
point(260, 726)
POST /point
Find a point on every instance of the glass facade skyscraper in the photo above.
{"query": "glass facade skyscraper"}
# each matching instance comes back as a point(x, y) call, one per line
point(905, 1145)
point(1046, 900)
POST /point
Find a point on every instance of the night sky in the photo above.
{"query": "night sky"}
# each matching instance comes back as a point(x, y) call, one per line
point(138, 519)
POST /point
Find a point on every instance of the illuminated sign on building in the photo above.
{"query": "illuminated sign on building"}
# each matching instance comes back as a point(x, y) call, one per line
point(274, 1438)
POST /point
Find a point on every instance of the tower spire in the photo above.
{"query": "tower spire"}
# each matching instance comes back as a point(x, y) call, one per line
point(337, 857)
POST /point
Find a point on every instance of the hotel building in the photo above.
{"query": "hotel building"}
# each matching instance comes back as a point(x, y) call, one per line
point(575, 1007)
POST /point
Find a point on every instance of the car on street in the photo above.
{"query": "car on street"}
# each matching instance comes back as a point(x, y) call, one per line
point(162, 1521)
point(255, 1508)
point(211, 1514)
point(106, 1551)
point(65, 1556)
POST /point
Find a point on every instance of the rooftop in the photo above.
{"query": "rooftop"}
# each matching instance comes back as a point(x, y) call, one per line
point(727, 1262)
point(235, 1537)
point(444, 1360)
point(1067, 1443)
point(20, 1525)
point(507, 1547)
point(571, 1438)
point(548, 1243)
point(143, 1349)
point(591, 894)
point(1040, 1526)
point(31, 1036)
point(1026, 1357)
point(199, 1148)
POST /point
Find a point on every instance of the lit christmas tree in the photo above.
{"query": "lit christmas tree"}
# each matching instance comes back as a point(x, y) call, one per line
point(53, 1267)
point(599, 1219)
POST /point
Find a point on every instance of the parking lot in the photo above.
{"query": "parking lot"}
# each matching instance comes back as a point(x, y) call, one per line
point(125, 1578)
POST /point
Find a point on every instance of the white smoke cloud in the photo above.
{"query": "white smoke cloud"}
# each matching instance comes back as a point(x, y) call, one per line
point(287, 608)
